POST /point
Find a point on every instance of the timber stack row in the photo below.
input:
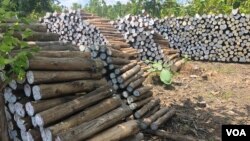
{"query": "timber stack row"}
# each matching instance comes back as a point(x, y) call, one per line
point(224, 38)
point(65, 95)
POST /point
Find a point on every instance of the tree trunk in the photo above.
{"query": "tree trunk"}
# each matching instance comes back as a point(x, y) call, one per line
point(118, 132)
point(66, 64)
point(44, 91)
point(34, 107)
point(39, 77)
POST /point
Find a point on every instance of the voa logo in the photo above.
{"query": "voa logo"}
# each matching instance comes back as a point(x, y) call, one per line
point(236, 132)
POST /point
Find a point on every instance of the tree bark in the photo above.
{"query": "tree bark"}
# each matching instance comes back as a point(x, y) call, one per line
point(118, 132)
point(85, 116)
point(44, 91)
point(34, 107)
point(61, 111)
point(66, 64)
point(89, 129)
point(39, 77)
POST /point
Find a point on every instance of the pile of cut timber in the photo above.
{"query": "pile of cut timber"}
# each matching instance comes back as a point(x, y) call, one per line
point(138, 32)
point(72, 28)
point(220, 37)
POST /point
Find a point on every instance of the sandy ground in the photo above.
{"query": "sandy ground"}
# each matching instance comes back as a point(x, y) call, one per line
point(206, 95)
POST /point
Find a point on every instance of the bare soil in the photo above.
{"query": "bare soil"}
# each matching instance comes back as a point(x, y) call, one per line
point(206, 95)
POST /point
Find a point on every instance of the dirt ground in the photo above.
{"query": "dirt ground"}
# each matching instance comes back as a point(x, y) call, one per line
point(206, 95)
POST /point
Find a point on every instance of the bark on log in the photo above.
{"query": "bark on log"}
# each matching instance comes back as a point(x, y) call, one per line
point(84, 116)
point(66, 64)
point(125, 68)
point(133, 78)
point(139, 104)
point(34, 135)
point(39, 77)
point(118, 132)
point(151, 112)
point(34, 107)
point(142, 90)
point(177, 65)
point(88, 129)
point(156, 124)
point(146, 122)
point(56, 113)
point(137, 137)
point(172, 136)
point(128, 74)
point(63, 54)
point(138, 114)
point(38, 36)
point(44, 91)
point(133, 98)
point(34, 26)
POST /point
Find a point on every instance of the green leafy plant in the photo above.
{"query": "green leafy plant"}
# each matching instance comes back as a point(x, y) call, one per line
point(163, 69)
point(14, 51)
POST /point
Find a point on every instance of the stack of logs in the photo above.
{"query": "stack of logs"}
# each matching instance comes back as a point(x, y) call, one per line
point(138, 32)
point(65, 96)
point(220, 37)
point(72, 28)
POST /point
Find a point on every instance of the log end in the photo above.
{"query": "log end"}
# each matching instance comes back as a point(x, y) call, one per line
point(36, 93)
point(154, 126)
point(30, 77)
point(39, 120)
point(136, 93)
point(29, 109)
point(33, 121)
point(27, 90)
point(29, 136)
point(24, 136)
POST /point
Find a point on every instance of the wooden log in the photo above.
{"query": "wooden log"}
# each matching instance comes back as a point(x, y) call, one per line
point(34, 107)
point(128, 74)
point(34, 135)
point(44, 91)
point(125, 68)
point(84, 116)
point(88, 129)
point(147, 121)
point(177, 65)
point(171, 136)
point(139, 104)
point(117, 61)
point(118, 132)
point(39, 77)
point(51, 115)
point(151, 112)
point(66, 64)
point(33, 26)
point(24, 123)
point(38, 36)
point(138, 137)
point(156, 124)
point(135, 84)
point(62, 54)
point(142, 90)
point(133, 78)
point(138, 114)
point(133, 98)
point(53, 46)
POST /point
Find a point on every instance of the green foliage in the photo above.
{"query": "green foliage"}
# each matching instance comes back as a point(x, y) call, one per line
point(26, 7)
point(165, 73)
point(162, 8)
point(14, 52)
